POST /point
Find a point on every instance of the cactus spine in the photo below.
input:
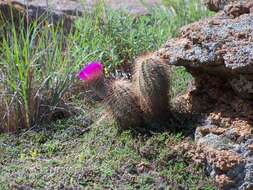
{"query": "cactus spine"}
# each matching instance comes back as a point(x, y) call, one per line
point(100, 87)
point(145, 98)
point(123, 105)
point(151, 81)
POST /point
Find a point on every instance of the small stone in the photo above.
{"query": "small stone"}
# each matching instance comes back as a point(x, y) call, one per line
point(215, 142)
point(223, 181)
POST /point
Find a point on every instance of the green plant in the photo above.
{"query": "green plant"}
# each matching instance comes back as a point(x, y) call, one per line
point(179, 80)
point(35, 74)
point(117, 38)
point(52, 147)
point(186, 11)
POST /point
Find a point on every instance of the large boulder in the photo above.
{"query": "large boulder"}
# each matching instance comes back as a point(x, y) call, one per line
point(218, 52)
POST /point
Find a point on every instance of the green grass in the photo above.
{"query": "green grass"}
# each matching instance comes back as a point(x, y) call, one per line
point(100, 158)
point(117, 38)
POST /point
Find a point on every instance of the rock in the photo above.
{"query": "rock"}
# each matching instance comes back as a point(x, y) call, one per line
point(36, 9)
point(217, 5)
point(67, 10)
point(226, 144)
point(218, 52)
point(215, 141)
point(232, 6)
point(225, 166)
point(238, 8)
point(223, 180)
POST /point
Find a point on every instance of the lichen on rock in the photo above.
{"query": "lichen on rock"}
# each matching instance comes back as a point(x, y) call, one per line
point(218, 52)
point(231, 7)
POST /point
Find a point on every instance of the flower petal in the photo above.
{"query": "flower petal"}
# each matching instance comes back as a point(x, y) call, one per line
point(91, 71)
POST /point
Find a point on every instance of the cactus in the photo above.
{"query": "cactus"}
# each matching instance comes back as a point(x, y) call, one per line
point(100, 88)
point(118, 95)
point(151, 82)
point(147, 97)
point(123, 105)
point(93, 76)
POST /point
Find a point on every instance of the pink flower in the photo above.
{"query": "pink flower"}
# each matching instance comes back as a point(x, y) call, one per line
point(92, 71)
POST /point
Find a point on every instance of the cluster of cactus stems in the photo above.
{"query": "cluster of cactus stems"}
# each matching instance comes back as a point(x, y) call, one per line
point(145, 98)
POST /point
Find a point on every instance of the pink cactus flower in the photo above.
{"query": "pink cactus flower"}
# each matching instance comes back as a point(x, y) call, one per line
point(91, 72)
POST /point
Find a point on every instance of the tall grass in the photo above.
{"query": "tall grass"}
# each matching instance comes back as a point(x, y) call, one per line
point(35, 74)
point(38, 61)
